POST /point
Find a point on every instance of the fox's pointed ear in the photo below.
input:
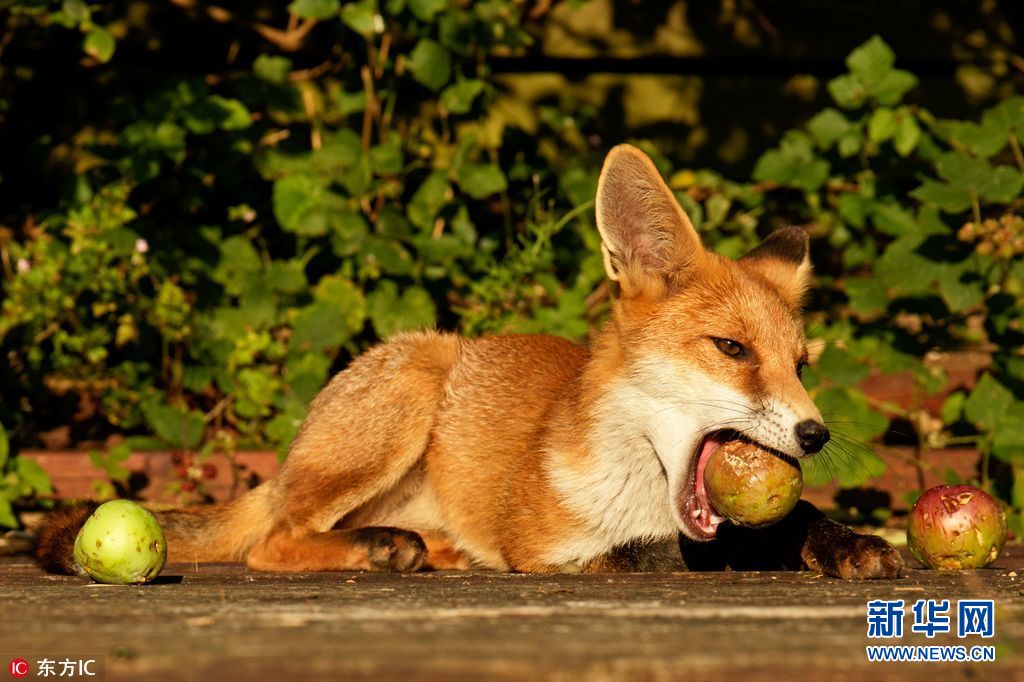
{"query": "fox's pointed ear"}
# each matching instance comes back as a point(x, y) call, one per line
point(646, 238)
point(784, 259)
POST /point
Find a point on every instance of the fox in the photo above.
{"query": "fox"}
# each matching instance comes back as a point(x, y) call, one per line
point(532, 453)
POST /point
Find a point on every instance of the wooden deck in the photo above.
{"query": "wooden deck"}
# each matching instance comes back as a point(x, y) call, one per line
point(222, 622)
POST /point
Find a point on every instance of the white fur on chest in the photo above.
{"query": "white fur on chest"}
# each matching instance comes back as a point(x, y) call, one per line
point(622, 492)
point(648, 426)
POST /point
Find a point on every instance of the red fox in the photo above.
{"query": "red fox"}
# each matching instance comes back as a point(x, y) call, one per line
point(532, 453)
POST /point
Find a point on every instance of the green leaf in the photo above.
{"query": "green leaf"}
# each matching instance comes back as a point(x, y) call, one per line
point(773, 166)
point(840, 367)
point(336, 314)
point(961, 169)
point(908, 133)
point(351, 102)
point(961, 287)
point(850, 143)
point(216, 112)
point(361, 17)
point(425, 10)
point(315, 9)
point(272, 68)
point(893, 86)
point(847, 91)
point(182, 429)
point(458, 97)
point(953, 407)
point(425, 204)
point(480, 180)
point(882, 125)
point(985, 139)
point(902, 269)
point(238, 261)
point(793, 163)
point(110, 462)
point(1003, 186)
point(283, 428)
point(386, 159)
point(286, 277)
point(872, 61)
point(930, 379)
point(77, 10)
point(1008, 440)
point(893, 220)
point(987, 405)
point(430, 64)
point(5, 448)
point(349, 230)
point(384, 256)
point(867, 295)
point(99, 44)
point(828, 126)
point(305, 374)
point(391, 313)
point(304, 205)
point(319, 326)
point(7, 517)
point(949, 198)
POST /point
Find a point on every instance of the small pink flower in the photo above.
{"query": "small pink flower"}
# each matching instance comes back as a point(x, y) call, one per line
point(23, 265)
point(141, 246)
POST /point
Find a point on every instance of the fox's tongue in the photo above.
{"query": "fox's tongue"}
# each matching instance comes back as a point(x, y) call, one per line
point(704, 514)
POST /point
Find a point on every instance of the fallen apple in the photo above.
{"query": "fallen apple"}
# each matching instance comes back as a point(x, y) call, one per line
point(954, 527)
point(121, 544)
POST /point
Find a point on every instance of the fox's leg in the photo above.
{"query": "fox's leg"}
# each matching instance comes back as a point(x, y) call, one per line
point(442, 554)
point(804, 539)
point(364, 432)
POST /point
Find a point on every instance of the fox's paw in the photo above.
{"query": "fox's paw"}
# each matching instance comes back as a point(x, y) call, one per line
point(864, 557)
point(392, 549)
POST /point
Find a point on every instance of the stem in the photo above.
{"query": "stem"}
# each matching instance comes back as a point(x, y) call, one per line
point(372, 106)
point(890, 408)
point(986, 453)
point(919, 449)
point(1015, 146)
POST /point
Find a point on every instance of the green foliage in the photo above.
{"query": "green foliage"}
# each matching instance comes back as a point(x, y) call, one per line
point(21, 479)
point(198, 250)
point(937, 271)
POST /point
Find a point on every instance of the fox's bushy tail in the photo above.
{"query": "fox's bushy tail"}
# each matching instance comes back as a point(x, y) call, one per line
point(223, 532)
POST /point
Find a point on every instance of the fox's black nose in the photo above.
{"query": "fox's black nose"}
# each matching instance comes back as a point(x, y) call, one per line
point(811, 435)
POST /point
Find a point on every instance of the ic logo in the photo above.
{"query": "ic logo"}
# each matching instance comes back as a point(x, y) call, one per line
point(19, 667)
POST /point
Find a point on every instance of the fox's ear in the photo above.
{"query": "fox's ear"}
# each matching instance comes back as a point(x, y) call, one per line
point(646, 238)
point(784, 259)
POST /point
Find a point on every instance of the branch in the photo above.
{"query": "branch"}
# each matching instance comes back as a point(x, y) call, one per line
point(290, 40)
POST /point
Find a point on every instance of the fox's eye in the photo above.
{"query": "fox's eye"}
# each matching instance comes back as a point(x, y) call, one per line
point(731, 348)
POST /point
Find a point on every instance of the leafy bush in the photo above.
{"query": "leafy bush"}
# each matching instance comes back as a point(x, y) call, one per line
point(212, 243)
point(919, 252)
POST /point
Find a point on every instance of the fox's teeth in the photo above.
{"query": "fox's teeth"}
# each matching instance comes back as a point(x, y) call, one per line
point(716, 519)
point(696, 513)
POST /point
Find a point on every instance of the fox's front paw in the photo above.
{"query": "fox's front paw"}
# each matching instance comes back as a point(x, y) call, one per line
point(863, 557)
point(392, 549)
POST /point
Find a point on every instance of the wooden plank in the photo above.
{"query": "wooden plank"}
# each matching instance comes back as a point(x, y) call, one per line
point(224, 622)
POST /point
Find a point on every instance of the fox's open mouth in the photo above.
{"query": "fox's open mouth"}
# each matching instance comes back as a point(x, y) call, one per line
point(699, 517)
point(698, 514)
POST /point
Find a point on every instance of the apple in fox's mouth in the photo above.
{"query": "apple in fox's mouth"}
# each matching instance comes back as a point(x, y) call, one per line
point(737, 480)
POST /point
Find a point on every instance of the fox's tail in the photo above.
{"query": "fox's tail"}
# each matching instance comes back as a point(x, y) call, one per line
point(205, 533)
